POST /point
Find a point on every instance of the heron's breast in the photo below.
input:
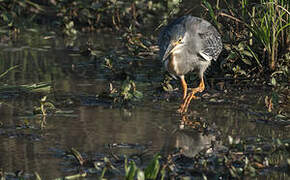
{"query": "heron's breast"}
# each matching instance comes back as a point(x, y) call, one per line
point(172, 65)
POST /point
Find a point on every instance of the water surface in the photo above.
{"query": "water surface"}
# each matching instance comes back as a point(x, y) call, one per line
point(89, 126)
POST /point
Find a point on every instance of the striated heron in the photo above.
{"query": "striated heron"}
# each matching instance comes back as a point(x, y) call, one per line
point(189, 44)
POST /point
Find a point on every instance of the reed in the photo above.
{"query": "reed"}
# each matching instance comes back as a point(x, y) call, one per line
point(262, 27)
point(269, 23)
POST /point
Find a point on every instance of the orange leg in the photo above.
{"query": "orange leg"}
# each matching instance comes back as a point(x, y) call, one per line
point(186, 101)
point(184, 86)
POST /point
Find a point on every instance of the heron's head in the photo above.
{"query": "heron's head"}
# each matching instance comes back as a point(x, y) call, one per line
point(177, 41)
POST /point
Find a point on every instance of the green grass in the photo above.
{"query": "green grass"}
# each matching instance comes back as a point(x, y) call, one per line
point(261, 28)
point(269, 22)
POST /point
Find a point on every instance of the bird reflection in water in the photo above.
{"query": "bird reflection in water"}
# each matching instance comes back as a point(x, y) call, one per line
point(190, 140)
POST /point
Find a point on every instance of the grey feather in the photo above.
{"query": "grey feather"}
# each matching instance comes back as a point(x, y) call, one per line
point(202, 43)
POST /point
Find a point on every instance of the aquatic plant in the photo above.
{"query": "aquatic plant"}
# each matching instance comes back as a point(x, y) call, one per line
point(269, 25)
point(127, 92)
point(8, 70)
point(27, 88)
point(12, 11)
point(153, 168)
point(86, 15)
point(256, 33)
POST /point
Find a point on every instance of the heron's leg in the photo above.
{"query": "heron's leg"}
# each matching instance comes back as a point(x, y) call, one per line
point(184, 86)
point(191, 96)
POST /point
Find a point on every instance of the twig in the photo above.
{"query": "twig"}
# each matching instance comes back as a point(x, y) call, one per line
point(231, 17)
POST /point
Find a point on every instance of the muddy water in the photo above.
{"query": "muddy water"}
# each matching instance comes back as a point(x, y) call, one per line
point(151, 125)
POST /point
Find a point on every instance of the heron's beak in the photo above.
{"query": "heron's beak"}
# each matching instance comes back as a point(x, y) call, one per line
point(170, 49)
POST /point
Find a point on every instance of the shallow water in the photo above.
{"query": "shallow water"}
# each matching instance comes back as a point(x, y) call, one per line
point(90, 126)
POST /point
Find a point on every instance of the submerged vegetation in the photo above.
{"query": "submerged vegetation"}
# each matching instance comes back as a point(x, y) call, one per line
point(256, 55)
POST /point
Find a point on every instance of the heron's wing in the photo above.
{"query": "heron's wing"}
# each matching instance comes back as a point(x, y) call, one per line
point(211, 43)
